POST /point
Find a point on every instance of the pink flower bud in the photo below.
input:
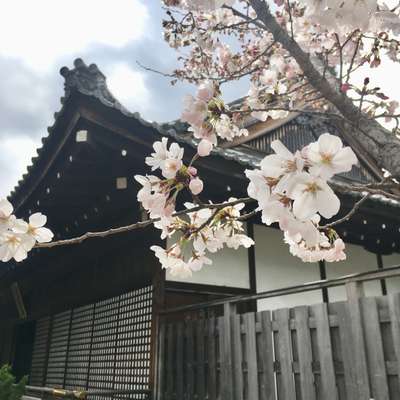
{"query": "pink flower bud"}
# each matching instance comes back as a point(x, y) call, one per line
point(196, 186)
point(204, 148)
point(192, 171)
point(345, 87)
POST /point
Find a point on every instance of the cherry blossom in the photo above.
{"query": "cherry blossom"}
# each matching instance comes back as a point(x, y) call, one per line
point(37, 230)
point(329, 157)
point(204, 231)
point(18, 237)
point(6, 215)
point(313, 195)
point(283, 166)
point(292, 190)
point(168, 160)
point(14, 245)
point(227, 130)
point(195, 111)
point(324, 250)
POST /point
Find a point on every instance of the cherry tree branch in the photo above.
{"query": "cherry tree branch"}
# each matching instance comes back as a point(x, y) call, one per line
point(354, 209)
point(379, 188)
point(138, 225)
point(379, 142)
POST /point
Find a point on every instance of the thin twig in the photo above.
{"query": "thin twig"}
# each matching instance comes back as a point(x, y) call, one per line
point(138, 225)
point(290, 19)
point(356, 206)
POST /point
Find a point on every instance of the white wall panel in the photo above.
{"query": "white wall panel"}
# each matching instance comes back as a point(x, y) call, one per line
point(358, 260)
point(277, 268)
point(229, 268)
point(392, 284)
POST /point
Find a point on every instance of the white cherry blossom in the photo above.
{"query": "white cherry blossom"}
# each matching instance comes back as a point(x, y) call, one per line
point(37, 230)
point(205, 91)
point(313, 195)
point(195, 111)
point(227, 130)
point(328, 156)
point(160, 155)
point(14, 245)
point(283, 166)
point(7, 218)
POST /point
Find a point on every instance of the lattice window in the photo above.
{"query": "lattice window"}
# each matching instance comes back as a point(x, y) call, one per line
point(101, 346)
point(39, 356)
point(57, 356)
point(77, 369)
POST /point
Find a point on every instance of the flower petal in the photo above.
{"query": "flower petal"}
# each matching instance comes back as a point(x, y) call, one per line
point(37, 220)
point(328, 202)
point(329, 144)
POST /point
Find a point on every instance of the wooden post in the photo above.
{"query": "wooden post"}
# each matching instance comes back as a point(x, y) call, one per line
point(227, 389)
point(355, 291)
point(157, 336)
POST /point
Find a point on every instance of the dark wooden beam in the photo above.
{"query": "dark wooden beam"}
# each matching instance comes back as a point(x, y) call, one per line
point(252, 259)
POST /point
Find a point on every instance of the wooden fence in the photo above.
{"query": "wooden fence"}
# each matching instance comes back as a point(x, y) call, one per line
point(345, 350)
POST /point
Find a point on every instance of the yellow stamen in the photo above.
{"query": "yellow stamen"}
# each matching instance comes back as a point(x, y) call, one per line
point(312, 187)
point(326, 158)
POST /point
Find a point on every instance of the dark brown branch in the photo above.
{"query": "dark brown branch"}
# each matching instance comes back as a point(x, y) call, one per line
point(355, 208)
point(371, 136)
point(138, 225)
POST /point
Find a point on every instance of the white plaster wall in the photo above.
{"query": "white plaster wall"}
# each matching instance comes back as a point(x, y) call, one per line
point(358, 260)
point(277, 268)
point(229, 268)
point(392, 284)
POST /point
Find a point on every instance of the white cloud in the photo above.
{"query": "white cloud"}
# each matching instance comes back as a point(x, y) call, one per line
point(129, 87)
point(15, 156)
point(38, 32)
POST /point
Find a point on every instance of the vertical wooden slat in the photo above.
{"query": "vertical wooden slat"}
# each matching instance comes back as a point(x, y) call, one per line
point(252, 369)
point(287, 388)
point(354, 293)
point(189, 360)
point(394, 310)
point(344, 334)
point(200, 370)
point(170, 361)
point(266, 357)
point(211, 358)
point(374, 346)
point(179, 360)
point(305, 353)
point(328, 380)
point(225, 334)
point(237, 357)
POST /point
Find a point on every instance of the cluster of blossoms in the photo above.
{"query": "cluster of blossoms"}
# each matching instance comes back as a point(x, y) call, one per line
point(345, 16)
point(158, 196)
point(292, 190)
point(18, 237)
point(347, 33)
point(208, 117)
point(205, 231)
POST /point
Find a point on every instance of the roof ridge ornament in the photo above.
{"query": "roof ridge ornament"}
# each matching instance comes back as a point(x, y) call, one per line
point(88, 80)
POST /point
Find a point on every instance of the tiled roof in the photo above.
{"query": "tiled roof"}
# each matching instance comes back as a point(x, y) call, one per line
point(90, 81)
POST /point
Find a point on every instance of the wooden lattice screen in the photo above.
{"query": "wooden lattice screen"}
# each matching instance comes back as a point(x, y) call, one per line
point(104, 346)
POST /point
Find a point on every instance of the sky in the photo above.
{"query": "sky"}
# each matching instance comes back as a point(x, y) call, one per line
point(38, 37)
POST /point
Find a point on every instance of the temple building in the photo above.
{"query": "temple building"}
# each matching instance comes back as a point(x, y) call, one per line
point(81, 316)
